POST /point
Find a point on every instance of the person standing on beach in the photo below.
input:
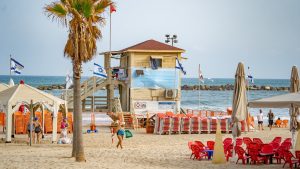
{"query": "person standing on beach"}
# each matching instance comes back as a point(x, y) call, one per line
point(120, 134)
point(271, 119)
point(38, 130)
point(260, 119)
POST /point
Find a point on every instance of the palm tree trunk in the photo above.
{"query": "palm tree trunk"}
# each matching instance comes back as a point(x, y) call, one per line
point(79, 154)
point(75, 119)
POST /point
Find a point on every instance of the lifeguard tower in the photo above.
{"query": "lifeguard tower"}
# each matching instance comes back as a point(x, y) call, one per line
point(146, 79)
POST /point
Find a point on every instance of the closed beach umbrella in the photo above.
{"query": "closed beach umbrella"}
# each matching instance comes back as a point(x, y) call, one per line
point(219, 155)
point(294, 111)
point(239, 104)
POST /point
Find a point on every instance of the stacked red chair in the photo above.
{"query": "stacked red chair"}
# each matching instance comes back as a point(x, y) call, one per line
point(185, 125)
point(204, 125)
point(165, 125)
point(175, 127)
point(195, 125)
point(213, 125)
point(223, 124)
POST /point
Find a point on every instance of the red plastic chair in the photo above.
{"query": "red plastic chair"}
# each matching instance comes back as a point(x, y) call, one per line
point(210, 145)
point(199, 143)
point(228, 151)
point(297, 153)
point(198, 152)
point(276, 140)
point(238, 142)
point(287, 145)
point(190, 143)
point(275, 145)
point(227, 141)
point(290, 159)
point(241, 154)
point(247, 141)
point(254, 156)
point(258, 140)
point(267, 148)
point(288, 140)
point(279, 154)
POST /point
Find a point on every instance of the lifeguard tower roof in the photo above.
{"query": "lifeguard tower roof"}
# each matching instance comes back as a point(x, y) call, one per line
point(152, 45)
point(149, 46)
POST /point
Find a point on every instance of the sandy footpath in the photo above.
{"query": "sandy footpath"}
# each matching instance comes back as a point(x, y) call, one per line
point(140, 152)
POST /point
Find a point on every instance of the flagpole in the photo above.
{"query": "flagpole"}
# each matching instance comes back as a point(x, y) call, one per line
point(110, 30)
point(9, 67)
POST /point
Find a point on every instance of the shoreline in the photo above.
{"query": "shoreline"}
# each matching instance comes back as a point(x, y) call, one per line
point(227, 87)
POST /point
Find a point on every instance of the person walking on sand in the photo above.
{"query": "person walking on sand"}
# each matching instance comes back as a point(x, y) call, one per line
point(260, 118)
point(30, 127)
point(120, 134)
point(271, 119)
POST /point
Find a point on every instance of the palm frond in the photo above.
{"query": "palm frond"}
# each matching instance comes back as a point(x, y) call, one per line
point(57, 10)
point(101, 5)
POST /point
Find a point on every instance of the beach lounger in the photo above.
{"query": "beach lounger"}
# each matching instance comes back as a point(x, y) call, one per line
point(195, 125)
point(223, 124)
point(70, 122)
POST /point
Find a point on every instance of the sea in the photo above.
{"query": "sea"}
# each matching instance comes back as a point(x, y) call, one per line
point(209, 100)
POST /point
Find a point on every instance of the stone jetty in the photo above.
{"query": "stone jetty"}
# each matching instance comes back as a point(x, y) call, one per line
point(189, 87)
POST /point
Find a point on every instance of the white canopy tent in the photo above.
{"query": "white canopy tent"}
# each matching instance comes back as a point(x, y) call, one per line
point(3, 86)
point(12, 98)
point(282, 101)
point(289, 100)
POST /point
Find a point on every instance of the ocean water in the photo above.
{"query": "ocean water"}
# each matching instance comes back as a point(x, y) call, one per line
point(209, 100)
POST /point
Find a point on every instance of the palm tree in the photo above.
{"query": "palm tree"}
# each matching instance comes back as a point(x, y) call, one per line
point(81, 17)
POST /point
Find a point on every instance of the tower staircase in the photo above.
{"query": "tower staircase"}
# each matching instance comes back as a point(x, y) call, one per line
point(88, 87)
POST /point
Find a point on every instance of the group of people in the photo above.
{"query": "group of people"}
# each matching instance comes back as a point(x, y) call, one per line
point(270, 116)
point(36, 130)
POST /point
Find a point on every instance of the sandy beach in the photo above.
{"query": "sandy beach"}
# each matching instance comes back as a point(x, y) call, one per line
point(140, 152)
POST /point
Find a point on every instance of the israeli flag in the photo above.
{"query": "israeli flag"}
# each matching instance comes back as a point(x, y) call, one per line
point(69, 81)
point(180, 66)
point(99, 71)
point(15, 66)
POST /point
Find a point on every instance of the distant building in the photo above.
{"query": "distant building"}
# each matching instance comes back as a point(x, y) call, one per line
point(147, 77)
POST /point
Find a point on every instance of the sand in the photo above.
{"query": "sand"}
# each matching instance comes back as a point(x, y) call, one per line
point(140, 152)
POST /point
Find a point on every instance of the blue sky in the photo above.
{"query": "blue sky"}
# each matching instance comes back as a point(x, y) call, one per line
point(264, 35)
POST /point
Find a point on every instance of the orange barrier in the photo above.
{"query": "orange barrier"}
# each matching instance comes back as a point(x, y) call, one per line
point(19, 123)
point(40, 117)
point(2, 119)
point(59, 120)
point(48, 128)
point(70, 122)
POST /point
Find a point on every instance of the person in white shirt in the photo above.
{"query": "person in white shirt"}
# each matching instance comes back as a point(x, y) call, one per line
point(260, 118)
